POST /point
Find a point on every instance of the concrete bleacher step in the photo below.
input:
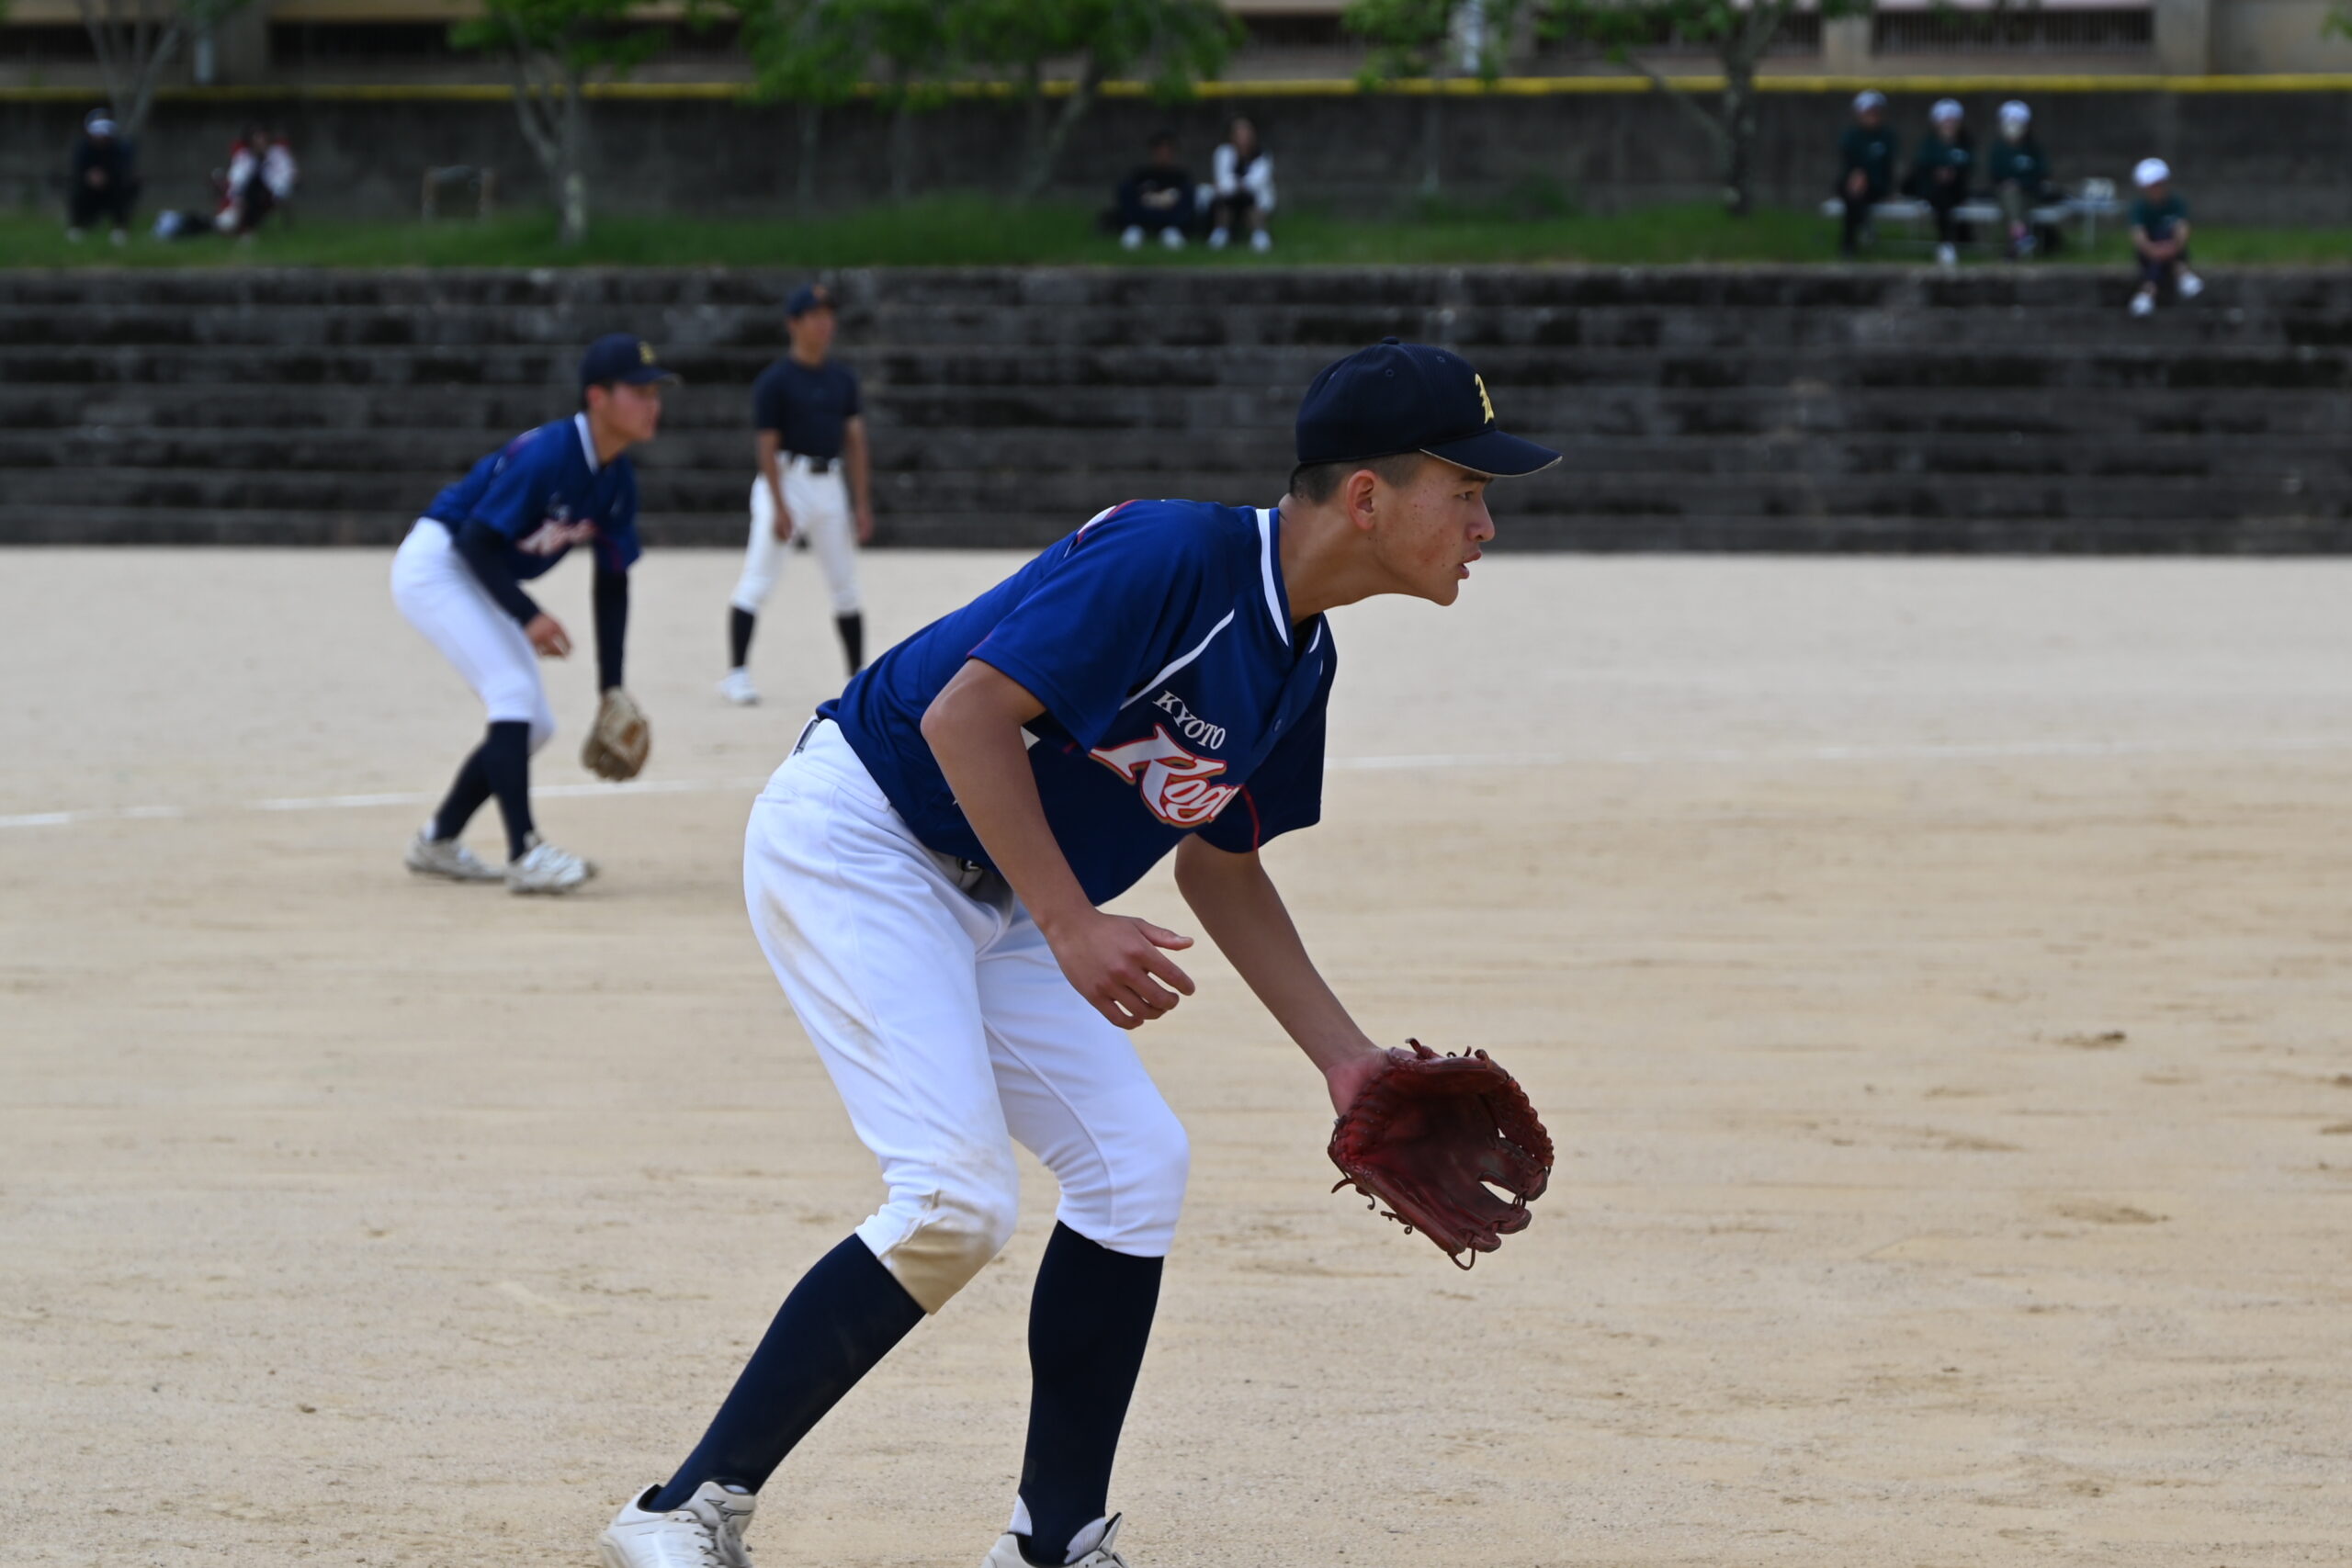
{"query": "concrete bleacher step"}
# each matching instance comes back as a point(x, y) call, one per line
point(1724, 408)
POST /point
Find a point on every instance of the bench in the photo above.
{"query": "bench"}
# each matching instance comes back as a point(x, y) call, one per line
point(2093, 201)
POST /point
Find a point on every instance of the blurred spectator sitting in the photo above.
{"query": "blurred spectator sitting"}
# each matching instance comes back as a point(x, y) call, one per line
point(1865, 166)
point(2019, 171)
point(1939, 174)
point(1157, 199)
point(1242, 187)
point(2160, 238)
point(260, 179)
point(105, 185)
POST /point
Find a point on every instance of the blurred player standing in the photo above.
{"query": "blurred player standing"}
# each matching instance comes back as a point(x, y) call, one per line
point(458, 579)
point(811, 437)
point(925, 873)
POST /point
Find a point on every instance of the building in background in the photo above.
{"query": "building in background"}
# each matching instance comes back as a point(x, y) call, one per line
point(294, 42)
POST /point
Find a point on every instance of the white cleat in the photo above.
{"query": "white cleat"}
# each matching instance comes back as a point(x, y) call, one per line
point(1947, 256)
point(707, 1532)
point(429, 856)
point(2143, 303)
point(1261, 241)
point(1093, 1547)
point(2191, 285)
point(1218, 238)
point(545, 869)
point(737, 687)
point(1172, 238)
point(1131, 237)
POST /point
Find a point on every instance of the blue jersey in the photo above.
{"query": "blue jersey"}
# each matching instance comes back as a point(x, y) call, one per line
point(545, 492)
point(1179, 697)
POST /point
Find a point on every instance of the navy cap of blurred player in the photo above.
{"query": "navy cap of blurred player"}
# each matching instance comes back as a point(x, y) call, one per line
point(623, 357)
point(1394, 397)
point(806, 298)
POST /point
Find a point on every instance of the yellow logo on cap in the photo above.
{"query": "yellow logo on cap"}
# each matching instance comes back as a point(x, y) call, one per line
point(1484, 403)
point(645, 356)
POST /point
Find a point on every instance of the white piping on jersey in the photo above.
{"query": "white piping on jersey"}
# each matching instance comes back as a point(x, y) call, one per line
point(1266, 571)
point(1318, 641)
point(1181, 659)
point(587, 442)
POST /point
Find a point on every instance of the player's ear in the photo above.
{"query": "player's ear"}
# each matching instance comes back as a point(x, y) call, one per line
point(1359, 490)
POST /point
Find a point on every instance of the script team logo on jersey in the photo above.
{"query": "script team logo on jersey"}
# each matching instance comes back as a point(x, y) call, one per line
point(556, 534)
point(1175, 784)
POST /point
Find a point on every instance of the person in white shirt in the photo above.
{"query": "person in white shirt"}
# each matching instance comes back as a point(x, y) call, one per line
point(1242, 187)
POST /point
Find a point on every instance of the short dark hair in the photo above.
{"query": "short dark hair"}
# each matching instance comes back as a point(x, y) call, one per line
point(1161, 138)
point(1320, 481)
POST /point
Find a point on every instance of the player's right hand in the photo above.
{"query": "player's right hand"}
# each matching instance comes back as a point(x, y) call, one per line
point(547, 635)
point(1115, 963)
point(783, 526)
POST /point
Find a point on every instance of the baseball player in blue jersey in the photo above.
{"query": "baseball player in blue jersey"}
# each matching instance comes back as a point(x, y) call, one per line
point(925, 872)
point(813, 483)
point(458, 579)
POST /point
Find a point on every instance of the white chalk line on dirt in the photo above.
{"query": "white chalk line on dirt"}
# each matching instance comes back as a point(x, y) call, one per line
point(1988, 751)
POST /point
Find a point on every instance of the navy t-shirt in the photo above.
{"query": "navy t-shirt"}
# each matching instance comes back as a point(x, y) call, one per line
point(804, 407)
point(2158, 220)
point(1179, 697)
point(546, 492)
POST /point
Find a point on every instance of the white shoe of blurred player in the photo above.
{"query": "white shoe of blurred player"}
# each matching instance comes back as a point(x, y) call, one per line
point(2191, 286)
point(545, 869)
point(1217, 238)
point(707, 1532)
point(737, 688)
point(429, 856)
point(1172, 238)
point(1132, 236)
point(1261, 241)
point(1947, 255)
point(2143, 303)
point(1094, 1545)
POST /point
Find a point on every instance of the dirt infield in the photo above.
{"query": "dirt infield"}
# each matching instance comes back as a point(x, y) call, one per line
point(1934, 974)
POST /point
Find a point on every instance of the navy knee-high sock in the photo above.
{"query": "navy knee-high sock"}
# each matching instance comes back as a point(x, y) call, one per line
point(842, 1318)
point(506, 764)
point(1087, 1323)
point(739, 622)
point(467, 792)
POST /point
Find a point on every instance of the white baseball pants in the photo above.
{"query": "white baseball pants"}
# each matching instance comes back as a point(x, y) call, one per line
point(820, 508)
point(441, 598)
point(950, 1034)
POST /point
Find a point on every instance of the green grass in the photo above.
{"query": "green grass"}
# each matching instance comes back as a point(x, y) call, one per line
point(972, 230)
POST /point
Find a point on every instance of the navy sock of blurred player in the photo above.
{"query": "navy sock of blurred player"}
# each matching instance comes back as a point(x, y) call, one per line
point(506, 766)
point(852, 629)
point(1089, 1320)
point(467, 791)
point(842, 1318)
point(738, 636)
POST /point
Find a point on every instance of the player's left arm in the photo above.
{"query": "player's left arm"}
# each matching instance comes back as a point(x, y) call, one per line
point(614, 552)
point(861, 481)
point(1238, 904)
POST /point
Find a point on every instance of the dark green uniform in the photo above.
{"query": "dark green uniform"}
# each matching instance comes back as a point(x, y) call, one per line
point(2020, 164)
point(2160, 221)
point(1939, 177)
point(1871, 148)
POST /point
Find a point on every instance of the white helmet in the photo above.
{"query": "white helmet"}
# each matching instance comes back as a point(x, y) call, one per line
point(1946, 109)
point(1871, 99)
point(2151, 172)
point(2014, 112)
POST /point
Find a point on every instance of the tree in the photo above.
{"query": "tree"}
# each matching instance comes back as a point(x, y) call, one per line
point(1181, 42)
point(1432, 40)
point(1738, 31)
point(553, 48)
point(136, 41)
point(801, 54)
point(915, 43)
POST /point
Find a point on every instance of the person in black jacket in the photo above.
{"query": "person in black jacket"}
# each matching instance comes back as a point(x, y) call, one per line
point(1157, 199)
point(1939, 174)
point(104, 184)
point(1865, 166)
point(2019, 171)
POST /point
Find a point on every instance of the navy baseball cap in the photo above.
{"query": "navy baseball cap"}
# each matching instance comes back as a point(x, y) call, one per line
point(1408, 397)
point(806, 298)
point(622, 356)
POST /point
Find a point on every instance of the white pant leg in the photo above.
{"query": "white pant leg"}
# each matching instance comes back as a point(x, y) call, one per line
point(820, 503)
point(1077, 1096)
point(762, 554)
point(441, 598)
point(877, 949)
